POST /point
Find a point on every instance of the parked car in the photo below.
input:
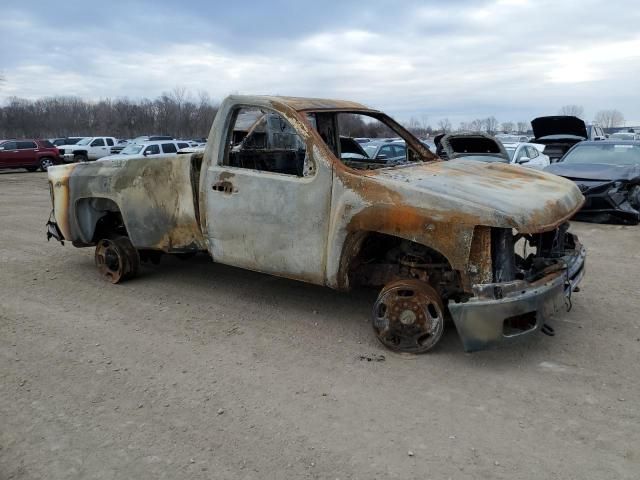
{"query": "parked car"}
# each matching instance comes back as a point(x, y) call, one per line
point(150, 138)
point(430, 144)
point(470, 146)
point(561, 132)
point(511, 138)
point(391, 152)
point(89, 148)
point(32, 154)
point(65, 141)
point(528, 155)
point(437, 237)
point(624, 136)
point(148, 149)
point(608, 175)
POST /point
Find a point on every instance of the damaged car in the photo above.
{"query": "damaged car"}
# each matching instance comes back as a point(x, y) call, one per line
point(608, 175)
point(558, 133)
point(437, 239)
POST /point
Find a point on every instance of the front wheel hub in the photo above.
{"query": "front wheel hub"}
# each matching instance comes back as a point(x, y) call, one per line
point(408, 316)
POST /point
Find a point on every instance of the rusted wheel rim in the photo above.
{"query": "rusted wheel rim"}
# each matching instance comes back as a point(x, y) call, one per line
point(408, 316)
point(111, 260)
point(131, 255)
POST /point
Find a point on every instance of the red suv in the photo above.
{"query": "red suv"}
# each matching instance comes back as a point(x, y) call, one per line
point(29, 154)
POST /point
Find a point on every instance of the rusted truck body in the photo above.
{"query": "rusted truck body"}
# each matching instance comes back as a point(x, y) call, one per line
point(439, 237)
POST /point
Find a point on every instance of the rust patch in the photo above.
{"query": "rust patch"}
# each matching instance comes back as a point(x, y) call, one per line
point(480, 264)
point(185, 237)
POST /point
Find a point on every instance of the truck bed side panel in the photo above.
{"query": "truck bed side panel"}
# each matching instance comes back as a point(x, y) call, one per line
point(155, 197)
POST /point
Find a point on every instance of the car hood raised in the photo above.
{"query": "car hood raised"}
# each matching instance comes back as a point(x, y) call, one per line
point(558, 125)
point(490, 194)
point(595, 171)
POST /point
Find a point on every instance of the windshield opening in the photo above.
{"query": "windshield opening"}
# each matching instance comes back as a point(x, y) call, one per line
point(85, 141)
point(389, 143)
point(132, 149)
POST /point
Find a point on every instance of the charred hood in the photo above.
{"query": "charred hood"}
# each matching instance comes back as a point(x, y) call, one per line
point(490, 194)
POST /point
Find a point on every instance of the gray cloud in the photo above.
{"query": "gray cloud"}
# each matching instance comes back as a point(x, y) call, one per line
point(514, 59)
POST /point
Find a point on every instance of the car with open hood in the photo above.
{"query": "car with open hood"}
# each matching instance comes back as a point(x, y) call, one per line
point(470, 146)
point(558, 133)
point(436, 238)
point(608, 175)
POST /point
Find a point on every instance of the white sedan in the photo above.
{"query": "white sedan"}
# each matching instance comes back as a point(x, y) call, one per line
point(528, 155)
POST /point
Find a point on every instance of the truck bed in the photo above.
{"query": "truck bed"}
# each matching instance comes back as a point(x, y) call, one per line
point(155, 199)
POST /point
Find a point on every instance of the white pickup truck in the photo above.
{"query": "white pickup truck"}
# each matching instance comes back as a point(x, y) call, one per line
point(282, 189)
point(89, 148)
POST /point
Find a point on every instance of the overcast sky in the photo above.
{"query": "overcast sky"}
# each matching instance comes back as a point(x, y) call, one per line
point(514, 59)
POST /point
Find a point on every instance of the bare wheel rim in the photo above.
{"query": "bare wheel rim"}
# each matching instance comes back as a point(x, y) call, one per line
point(408, 316)
point(111, 260)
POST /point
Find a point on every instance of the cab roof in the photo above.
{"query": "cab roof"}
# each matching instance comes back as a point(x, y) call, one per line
point(303, 104)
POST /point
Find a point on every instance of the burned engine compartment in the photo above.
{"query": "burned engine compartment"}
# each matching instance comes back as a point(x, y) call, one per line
point(516, 259)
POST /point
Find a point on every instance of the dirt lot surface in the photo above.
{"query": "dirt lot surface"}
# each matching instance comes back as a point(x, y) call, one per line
point(197, 370)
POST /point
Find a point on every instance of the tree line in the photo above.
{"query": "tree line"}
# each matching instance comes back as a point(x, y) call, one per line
point(173, 113)
point(182, 115)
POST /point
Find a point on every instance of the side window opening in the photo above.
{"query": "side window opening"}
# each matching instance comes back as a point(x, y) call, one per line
point(110, 142)
point(261, 139)
point(169, 148)
point(98, 142)
point(152, 150)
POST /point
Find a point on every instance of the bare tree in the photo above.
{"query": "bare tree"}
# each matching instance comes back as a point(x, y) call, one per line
point(490, 125)
point(507, 127)
point(523, 127)
point(476, 125)
point(444, 125)
point(464, 127)
point(609, 118)
point(574, 110)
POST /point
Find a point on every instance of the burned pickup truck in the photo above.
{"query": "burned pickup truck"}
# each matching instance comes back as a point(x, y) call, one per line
point(487, 243)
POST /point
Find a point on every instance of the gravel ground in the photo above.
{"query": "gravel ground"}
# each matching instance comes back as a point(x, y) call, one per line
point(198, 370)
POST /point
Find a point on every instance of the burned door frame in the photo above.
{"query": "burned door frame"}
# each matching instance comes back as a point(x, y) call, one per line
point(264, 221)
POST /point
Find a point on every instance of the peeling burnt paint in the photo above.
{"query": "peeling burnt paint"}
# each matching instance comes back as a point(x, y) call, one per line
point(154, 197)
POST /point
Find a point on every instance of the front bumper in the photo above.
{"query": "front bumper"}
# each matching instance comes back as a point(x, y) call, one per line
point(67, 157)
point(608, 203)
point(506, 312)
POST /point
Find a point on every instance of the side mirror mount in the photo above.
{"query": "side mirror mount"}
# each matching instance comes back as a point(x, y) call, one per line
point(146, 153)
point(381, 156)
point(522, 160)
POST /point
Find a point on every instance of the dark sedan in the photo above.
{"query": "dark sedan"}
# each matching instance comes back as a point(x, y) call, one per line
point(608, 174)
